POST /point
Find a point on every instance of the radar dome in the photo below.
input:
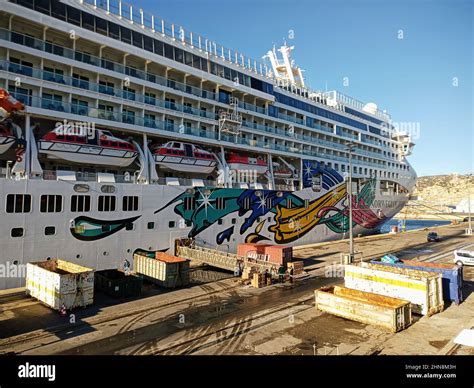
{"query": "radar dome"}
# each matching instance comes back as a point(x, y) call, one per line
point(370, 107)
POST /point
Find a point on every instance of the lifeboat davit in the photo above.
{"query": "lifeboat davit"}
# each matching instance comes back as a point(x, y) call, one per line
point(184, 157)
point(7, 138)
point(246, 163)
point(98, 147)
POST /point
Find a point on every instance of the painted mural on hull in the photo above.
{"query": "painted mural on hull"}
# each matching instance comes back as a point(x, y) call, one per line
point(280, 217)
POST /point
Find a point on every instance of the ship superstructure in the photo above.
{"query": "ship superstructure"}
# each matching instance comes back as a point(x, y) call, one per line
point(137, 132)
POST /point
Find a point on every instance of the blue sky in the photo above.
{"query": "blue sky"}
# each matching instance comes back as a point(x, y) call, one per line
point(413, 78)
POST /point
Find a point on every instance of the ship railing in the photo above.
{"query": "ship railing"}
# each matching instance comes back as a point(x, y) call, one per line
point(344, 99)
point(176, 33)
point(82, 109)
point(69, 53)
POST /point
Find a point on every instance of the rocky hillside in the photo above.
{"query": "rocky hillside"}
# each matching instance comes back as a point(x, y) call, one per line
point(438, 193)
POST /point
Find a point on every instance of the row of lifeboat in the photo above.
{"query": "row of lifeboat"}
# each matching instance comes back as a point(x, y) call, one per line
point(101, 147)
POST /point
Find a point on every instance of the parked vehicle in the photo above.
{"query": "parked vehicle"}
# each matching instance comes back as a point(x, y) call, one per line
point(462, 257)
point(433, 236)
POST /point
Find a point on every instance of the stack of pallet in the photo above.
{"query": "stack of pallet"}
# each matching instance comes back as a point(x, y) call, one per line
point(297, 267)
point(258, 280)
point(248, 272)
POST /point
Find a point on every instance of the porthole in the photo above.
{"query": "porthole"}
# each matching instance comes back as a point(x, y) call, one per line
point(15, 262)
point(108, 189)
point(78, 256)
point(81, 188)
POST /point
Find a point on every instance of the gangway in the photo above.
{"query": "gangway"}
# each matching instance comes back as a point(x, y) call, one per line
point(223, 260)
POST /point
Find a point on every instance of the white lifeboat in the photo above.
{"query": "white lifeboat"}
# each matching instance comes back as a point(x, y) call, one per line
point(281, 171)
point(98, 147)
point(245, 163)
point(184, 157)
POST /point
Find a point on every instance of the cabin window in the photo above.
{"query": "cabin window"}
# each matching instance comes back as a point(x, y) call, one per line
point(130, 203)
point(220, 221)
point(220, 203)
point(151, 225)
point(234, 220)
point(269, 203)
point(18, 203)
point(50, 231)
point(51, 203)
point(189, 203)
point(129, 226)
point(246, 203)
point(80, 203)
point(17, 232)
point(106, 203)
point(171, 224)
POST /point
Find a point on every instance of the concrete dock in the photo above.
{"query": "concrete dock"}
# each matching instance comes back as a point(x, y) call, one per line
point(222, 316)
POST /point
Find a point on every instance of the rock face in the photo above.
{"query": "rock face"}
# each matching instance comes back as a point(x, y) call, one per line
point(438, 194)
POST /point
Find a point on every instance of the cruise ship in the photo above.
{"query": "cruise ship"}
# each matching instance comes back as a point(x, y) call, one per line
point(121, 131)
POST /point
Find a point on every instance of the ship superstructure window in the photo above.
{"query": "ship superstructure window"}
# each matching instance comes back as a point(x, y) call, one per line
point(17, 232)
point(151, 225)
point(150, 98)
point(220, 203)
point(20, 66)
point(106, 87)
point(79, 107)
point(49, 230)
point(171, 224)
point(80, 203)
point(189, 203)
point(18, 203)
point(246, 203)
point(80, 81)
point(128, 116)
point(130, 203)
point(107, 203)
point(51, 203)
point(129, 93)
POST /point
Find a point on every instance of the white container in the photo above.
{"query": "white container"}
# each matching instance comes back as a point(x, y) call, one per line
point(57, 282)
point(423, 289)
point(168, 273)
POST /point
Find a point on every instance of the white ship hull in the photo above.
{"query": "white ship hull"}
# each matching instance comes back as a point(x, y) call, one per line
point(100, 239)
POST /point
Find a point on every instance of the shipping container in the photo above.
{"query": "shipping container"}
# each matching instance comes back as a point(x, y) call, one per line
point(167, 271)
point(117, 284)
point(254, 251)
point(279, 254)
point(59, 282)
point(452, 276)
point(423, 289)
point(390, 313)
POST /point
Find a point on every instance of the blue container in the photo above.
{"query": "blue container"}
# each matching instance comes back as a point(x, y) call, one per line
point(452, 276)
